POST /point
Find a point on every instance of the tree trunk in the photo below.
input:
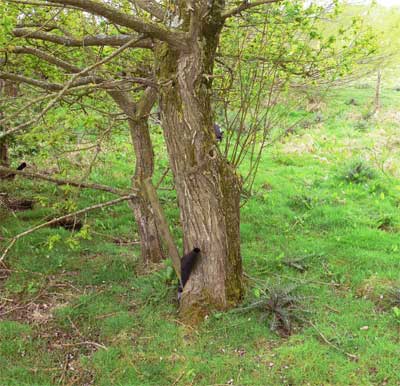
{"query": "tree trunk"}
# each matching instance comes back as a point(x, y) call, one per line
point(151, 246)
point(207, 186)
point(8, 89)
point(4, 161)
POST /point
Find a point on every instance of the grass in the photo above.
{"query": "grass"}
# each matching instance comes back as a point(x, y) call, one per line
point(80, 313)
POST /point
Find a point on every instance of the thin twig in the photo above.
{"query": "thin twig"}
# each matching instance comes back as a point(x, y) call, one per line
point(329, 343)
point(58, 181)
point(179, 378)
point(67, 86)
point(162, 177)
point(55, 220)
point(86, 343)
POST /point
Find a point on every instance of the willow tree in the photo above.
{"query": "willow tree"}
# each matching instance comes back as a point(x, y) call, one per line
point(32, 62)
point(186, 36)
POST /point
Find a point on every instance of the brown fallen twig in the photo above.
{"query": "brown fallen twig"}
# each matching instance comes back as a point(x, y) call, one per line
point(86, 343)
point(59, 181)
point(55, 220)
point(329, 343)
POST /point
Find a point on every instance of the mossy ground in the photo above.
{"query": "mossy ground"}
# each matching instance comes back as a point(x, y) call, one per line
point(76, 311)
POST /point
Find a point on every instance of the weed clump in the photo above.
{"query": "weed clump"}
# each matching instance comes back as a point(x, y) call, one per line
point(386, 223)
point(281, 305)
point(394, 302)
point(358, 171)
point(361, 125)
point(363, 86)
point(394, 297)
point(304, 201)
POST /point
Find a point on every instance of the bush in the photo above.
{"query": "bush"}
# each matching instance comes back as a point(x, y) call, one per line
point(363, 86)
point(358, 171)
point(361, 125)
point(302, 201)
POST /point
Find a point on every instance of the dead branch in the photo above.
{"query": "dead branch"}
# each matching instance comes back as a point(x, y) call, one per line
point(57, 181)
point(167, 169)
point(246, 5)
point(86, 41)
point(132, 196)
point(174, 39)
point(329, 343)
point(163, 225)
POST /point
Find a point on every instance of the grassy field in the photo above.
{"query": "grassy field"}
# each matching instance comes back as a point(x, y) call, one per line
point(322, 228)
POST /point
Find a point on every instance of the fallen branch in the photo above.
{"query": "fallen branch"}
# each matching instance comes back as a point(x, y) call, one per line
point(87, 343)
point(58, 181)
point(329, 343)
point(162, 225)
point(55, 220)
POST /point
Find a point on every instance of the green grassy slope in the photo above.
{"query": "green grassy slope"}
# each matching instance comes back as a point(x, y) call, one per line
point(84, 313)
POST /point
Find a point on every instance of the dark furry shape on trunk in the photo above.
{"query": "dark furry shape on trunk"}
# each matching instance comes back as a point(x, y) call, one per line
point(218, 132)
point(188, 262)
point(22, 166)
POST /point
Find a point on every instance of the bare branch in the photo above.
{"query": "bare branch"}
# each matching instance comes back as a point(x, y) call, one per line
point(87, 88)
point(47, 85)
point(33, 82)
point(55, 220)
point(164, 228)
point(26, 106)
point(45, 56)
point(71, 68)
point(47, 27)
point(58, 181)
point(247, 5)
point(87, 41)
point(39, 4)
point(174, 39)
point(65, 89)
point(151, 7)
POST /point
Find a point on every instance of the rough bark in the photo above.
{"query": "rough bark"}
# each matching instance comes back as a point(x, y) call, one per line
point(137, 113)
point(207, 186)
point(4, 153)
point(11, 90)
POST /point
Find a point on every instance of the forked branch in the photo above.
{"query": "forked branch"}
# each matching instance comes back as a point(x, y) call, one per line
point(246, 5)
point(174, 39)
